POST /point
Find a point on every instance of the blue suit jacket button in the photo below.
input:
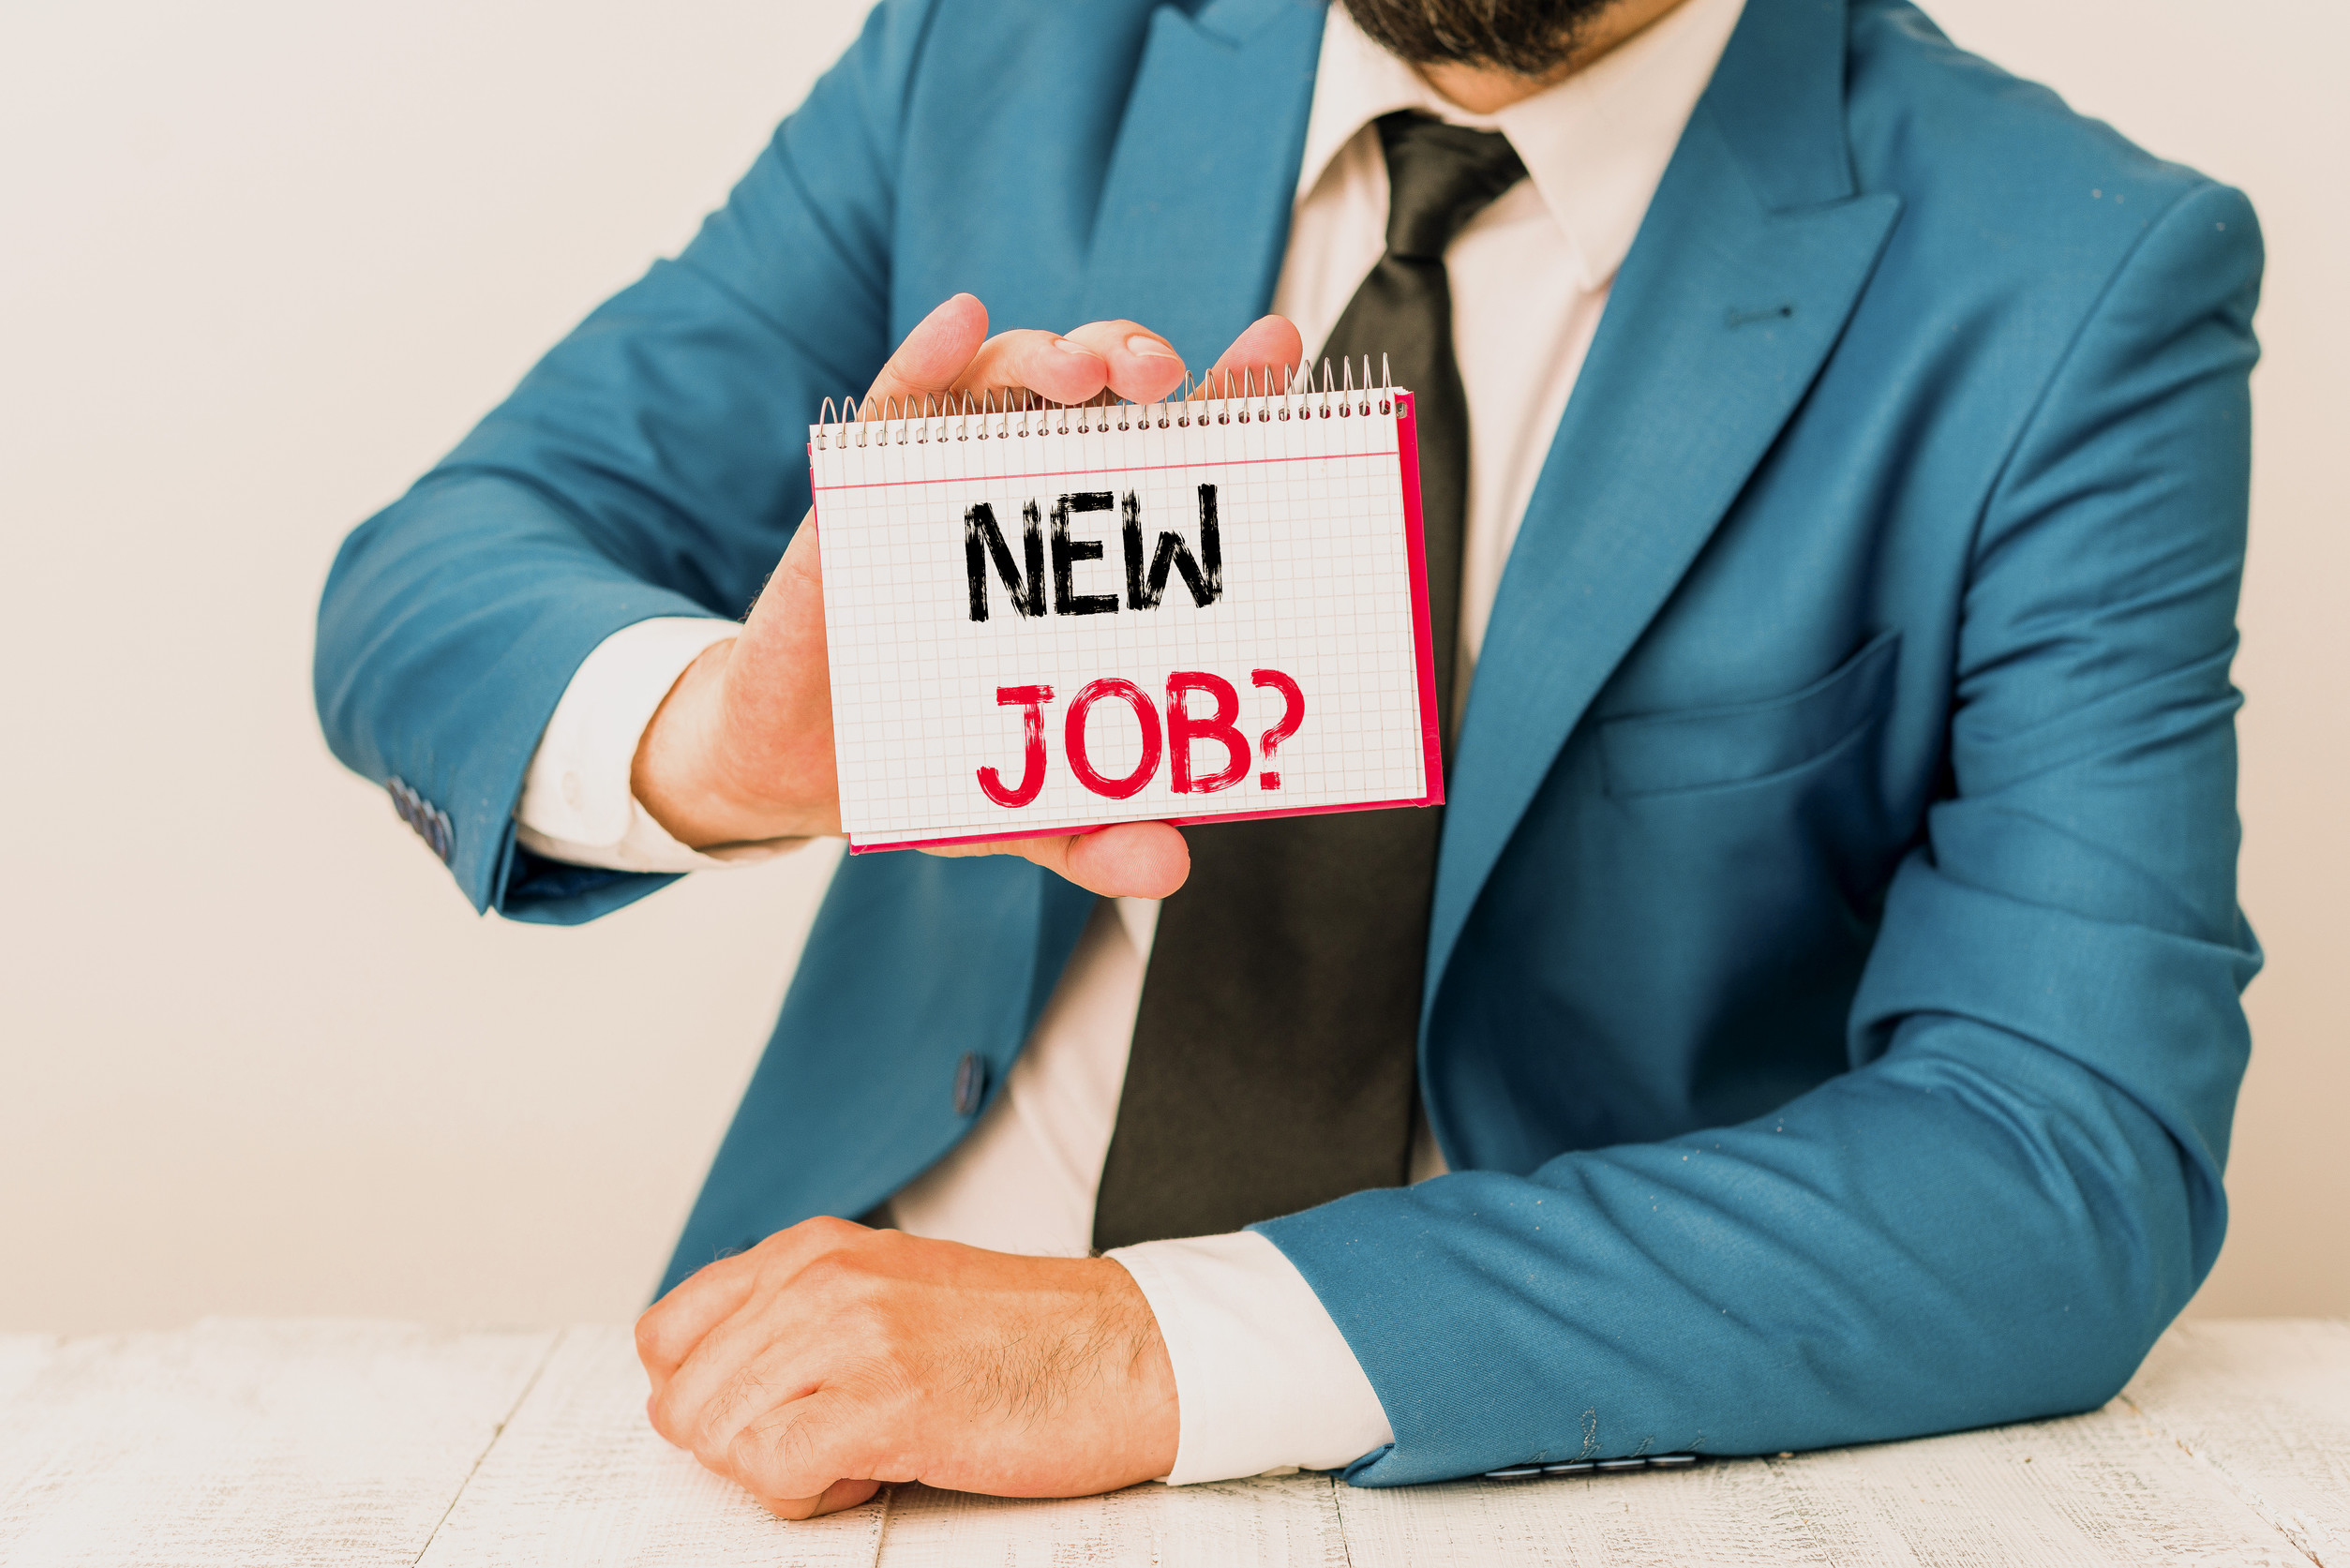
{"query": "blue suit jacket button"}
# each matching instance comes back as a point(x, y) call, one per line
point(970, 1082)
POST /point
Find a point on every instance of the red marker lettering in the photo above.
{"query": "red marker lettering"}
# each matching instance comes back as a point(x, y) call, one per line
point(1293, 714)
point(1183, 727)
point(1032, 756)
point(1145, 715)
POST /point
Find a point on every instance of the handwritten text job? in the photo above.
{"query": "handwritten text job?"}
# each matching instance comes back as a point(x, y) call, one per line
point(1183, 730)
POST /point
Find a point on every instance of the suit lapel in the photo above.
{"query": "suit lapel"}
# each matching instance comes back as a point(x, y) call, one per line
point(1751, 258)
point(1195, 208)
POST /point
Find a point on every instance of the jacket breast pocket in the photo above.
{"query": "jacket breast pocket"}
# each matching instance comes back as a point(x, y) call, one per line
point(1700, 748)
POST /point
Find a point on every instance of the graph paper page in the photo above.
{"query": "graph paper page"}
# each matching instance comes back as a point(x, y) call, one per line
point(1069, 628)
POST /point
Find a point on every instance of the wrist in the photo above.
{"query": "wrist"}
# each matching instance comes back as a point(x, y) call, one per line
point(1153, 1428)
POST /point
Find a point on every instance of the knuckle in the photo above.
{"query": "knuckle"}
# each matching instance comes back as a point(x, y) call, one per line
point(798, 1452)
point(831, 1273)
point(797, 1242)
point(1016, 341)
point(744, 1388)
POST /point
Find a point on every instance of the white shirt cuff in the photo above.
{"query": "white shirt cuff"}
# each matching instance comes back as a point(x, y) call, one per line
point(577, 803)
point(1265, 1382)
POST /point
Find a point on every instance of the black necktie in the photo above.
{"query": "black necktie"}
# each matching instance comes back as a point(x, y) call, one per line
point(1273, 1066)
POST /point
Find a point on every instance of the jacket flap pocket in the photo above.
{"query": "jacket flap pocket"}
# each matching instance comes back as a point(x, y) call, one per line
point(1689, 748)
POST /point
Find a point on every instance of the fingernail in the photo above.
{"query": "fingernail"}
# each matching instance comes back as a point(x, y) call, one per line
point(1070, 346)
point(1150, 348)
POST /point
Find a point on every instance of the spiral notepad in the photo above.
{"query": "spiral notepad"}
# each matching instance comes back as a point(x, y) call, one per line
point(1048, 620)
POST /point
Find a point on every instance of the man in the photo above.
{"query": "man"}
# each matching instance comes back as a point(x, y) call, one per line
point(1821, 983)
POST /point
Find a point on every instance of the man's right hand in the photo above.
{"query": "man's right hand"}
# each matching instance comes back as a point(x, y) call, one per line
point(741, 747)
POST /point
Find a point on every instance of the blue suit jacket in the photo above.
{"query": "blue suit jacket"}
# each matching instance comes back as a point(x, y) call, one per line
point(1831, 1006)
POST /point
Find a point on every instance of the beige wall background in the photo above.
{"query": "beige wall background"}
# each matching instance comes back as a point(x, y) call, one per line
point(264, 261)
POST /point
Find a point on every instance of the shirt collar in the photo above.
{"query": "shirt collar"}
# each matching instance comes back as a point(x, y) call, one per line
point(1594, 146)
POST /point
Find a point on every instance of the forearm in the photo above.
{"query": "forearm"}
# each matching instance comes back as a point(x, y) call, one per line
point(1974, 1230)
point(450, 626)
point(650, 465)
point(581, 805)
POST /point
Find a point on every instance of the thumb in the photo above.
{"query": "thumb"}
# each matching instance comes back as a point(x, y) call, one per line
point(789, 610)
point(792, 1458)
point(1129, 860)
point(1267, 343)
point(933, 354)
point(838, 1496)
point(779, 678)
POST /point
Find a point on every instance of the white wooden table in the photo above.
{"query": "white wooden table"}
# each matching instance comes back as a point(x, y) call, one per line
point(255, 1443)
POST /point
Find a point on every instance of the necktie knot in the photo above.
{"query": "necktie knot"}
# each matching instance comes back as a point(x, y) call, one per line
point(1439, 177)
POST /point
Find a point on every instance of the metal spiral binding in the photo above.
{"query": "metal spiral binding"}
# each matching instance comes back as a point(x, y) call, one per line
point(1260, 394)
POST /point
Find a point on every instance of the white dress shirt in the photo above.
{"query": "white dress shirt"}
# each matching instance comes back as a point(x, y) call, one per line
point(1264, 1378)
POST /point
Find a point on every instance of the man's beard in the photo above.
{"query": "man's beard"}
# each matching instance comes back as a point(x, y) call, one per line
point(1529, 37)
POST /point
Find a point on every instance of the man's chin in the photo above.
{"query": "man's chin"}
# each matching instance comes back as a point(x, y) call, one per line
point(1528, 38)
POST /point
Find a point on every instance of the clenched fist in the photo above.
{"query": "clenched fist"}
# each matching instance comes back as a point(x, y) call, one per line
point(831, 1359)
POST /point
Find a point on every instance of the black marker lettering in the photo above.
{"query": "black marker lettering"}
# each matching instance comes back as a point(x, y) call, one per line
point(1067, 552)
point(982, 538)
point(1203, 576)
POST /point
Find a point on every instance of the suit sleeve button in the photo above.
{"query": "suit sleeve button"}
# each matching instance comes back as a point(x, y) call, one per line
point(970, 1082)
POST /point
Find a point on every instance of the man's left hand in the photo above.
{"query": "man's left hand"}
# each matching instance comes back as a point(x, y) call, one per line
point(832, 1358)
